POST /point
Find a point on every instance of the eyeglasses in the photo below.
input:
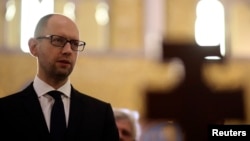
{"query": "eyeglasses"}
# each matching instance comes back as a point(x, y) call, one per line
point(60, 41)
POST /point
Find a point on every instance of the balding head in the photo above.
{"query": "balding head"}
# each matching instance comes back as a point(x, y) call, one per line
point(44, 22)
point(55, 62)
point(41, 25)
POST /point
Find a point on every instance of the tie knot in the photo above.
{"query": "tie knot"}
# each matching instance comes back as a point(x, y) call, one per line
point(55, 94)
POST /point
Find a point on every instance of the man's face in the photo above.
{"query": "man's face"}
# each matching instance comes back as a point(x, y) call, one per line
point(57, 62)
point(125, 130)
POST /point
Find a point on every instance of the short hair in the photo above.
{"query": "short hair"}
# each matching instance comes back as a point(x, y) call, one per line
point(42, 23)
point(132, 117)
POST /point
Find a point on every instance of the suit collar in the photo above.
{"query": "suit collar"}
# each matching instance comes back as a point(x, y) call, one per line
point(42, 87)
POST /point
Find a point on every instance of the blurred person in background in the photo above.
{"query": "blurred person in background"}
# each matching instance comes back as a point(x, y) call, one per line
point(127, 122)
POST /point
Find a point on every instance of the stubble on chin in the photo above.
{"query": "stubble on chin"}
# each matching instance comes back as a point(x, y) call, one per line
point(62, 75)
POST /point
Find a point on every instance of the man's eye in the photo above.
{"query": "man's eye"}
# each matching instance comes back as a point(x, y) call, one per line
point(58, 40)
point(126, 133)
point(75, 43)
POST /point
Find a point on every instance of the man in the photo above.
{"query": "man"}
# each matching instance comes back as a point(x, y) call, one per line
point(127, 124)
point(27, 115)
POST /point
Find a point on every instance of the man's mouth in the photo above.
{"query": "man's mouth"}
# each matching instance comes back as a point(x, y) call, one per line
point(64, 62)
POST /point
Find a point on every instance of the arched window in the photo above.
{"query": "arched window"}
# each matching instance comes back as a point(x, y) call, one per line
point(31, 12)
point(210, 24)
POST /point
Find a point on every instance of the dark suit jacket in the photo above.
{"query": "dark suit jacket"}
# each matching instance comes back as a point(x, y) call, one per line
point(21, 118)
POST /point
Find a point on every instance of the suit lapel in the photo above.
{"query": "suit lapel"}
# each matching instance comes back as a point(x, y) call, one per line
point(76, 114)
point(34, 111)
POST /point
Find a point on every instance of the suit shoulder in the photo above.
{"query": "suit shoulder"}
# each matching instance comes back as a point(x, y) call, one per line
point(21, 93)
point(11, 99)
point(89, 98)
point(11, 96)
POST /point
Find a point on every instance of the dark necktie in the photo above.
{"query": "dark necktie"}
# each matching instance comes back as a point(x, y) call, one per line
point(57, 118)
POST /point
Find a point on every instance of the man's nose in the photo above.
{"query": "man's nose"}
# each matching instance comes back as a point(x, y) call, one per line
point(67, 47)
point(121, 136)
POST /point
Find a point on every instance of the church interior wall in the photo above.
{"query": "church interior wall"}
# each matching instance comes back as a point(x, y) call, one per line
point(122, 78)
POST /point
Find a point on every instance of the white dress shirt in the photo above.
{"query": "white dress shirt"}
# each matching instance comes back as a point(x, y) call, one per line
point(47, 101)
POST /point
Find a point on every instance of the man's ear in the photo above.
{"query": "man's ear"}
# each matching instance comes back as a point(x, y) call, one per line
point(33, 46)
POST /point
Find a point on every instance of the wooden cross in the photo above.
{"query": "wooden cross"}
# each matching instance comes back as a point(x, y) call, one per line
point(193, 105)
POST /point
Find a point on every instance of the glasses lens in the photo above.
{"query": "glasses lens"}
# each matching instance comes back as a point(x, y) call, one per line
point(61, 41)
point(58, 41)
point(77, 45)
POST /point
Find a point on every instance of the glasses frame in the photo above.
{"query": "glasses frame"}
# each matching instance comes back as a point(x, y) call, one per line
point(50, 37)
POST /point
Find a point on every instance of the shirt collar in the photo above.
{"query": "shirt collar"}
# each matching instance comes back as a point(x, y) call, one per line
point(42, 87)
